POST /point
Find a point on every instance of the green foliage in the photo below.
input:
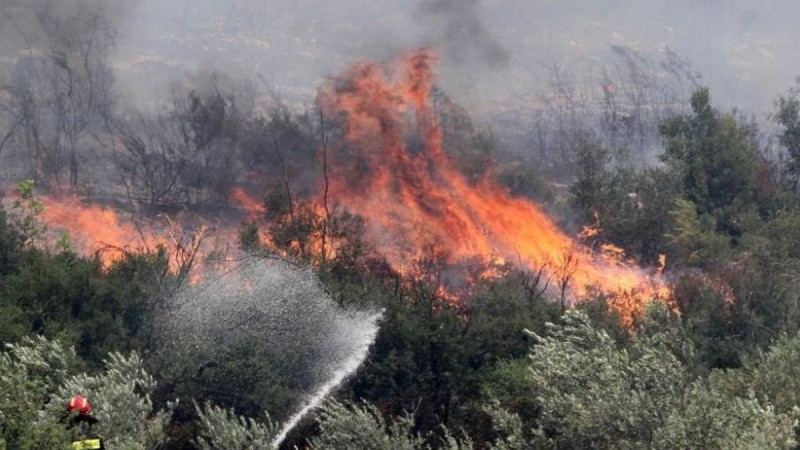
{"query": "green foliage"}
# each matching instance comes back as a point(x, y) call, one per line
point(773, 376)
point(630, 205)
point(717, 162)
point(120, 397)
point(512, 391)
point(526, 180)
point(238, 374)
point(471, 145)
point(415, 363)
point(10, 243)
point(594, 394)
point(24, 212)
point(432, 358)
point(592, 179)
point(280, 146)
point(708, 418)
point(70, 298)
point(249, 240)
point(38, 376)
point(30, 372)
point(588, 391)
point(363, 428)
point(779, 239)
point(333, 241)
point(693, 238)
point(224, 430)
point(788, 116)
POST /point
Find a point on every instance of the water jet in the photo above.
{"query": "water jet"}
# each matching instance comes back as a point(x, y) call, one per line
point(278, 311)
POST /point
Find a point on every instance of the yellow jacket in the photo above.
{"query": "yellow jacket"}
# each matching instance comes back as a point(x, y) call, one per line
point(88, 444)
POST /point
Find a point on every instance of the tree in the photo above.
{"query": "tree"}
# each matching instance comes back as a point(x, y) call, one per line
point(788, 116)
point(624, 205)
point(61, 97)
point(770, 376)
point(432, 357)
point(717, 161)
point(151, 161)
point(592, 180)
point(618, 104)
point(210, 118)
point(693, 238)
point(189, 153)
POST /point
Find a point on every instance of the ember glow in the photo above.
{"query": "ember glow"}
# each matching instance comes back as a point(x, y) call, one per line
point(413, 197)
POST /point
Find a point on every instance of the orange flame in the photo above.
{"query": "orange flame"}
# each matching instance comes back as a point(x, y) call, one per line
point(251, 206)
point(99, 230)
point(93, 228)
point(411, 194)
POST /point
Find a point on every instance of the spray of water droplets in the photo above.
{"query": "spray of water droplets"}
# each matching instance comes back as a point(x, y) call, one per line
point(278, 310)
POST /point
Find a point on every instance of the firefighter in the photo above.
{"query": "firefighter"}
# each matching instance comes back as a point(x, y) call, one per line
point(79, 416)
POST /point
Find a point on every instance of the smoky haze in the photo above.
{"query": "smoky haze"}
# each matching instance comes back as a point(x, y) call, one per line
point(457, 27)
point(497, 52)
point(19, 19)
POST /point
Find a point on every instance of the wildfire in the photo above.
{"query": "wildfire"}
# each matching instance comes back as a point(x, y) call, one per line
point(108, 233)
point(394, 172)
point(411, 194)
point(93, 228)
point(251, 206)
point(99, 230)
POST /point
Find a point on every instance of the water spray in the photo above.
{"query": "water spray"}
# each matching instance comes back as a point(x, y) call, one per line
point(365, 337)
point(275, 308)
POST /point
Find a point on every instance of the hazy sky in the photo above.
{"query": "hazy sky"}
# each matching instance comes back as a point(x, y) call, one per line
point(496, 51)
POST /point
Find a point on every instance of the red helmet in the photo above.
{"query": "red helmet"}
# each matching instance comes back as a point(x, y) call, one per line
point(80, 405)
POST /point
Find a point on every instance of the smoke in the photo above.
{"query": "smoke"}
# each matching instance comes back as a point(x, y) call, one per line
point(22, 17)
point(42, 28)
point(455, 25)
point(737, 46)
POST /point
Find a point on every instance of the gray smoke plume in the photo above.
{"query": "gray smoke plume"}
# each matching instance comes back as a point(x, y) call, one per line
point(456, 26)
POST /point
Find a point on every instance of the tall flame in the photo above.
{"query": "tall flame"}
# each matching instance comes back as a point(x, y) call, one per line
point(394, 172)
point(412, 195)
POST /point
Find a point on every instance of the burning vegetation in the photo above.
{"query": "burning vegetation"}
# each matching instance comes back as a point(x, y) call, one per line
point(392, 169)
point(389, 167)
point(225, 217)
